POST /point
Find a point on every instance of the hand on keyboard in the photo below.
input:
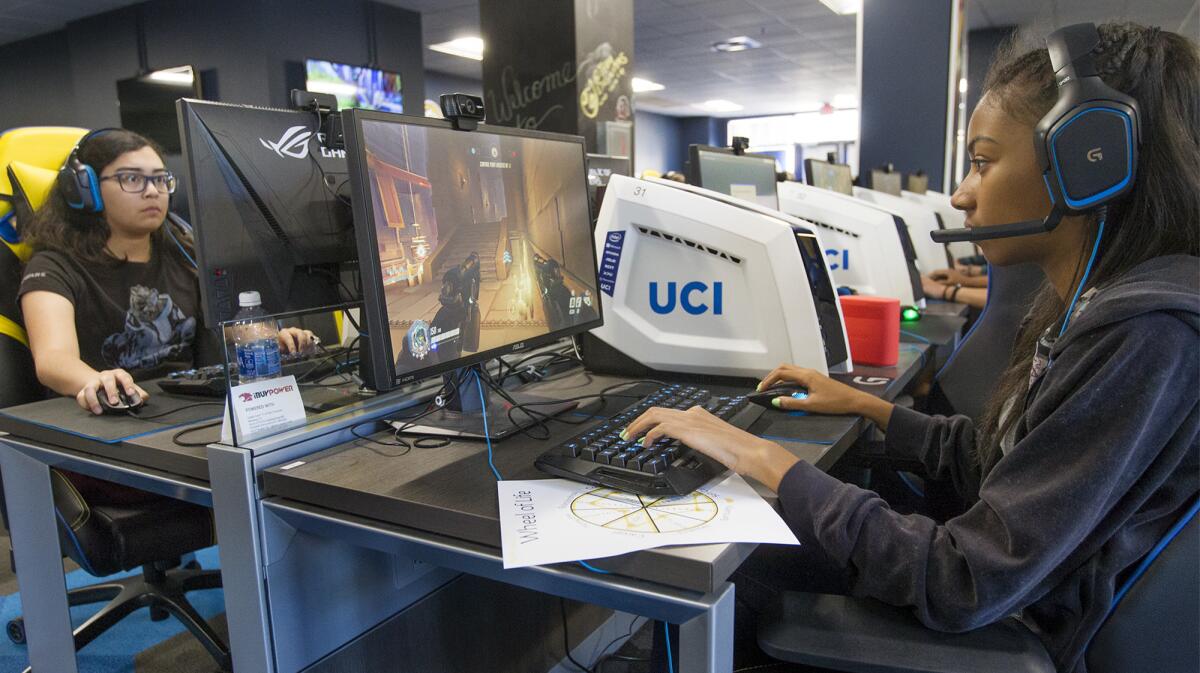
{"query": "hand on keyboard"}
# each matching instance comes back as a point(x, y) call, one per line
point(737, 449)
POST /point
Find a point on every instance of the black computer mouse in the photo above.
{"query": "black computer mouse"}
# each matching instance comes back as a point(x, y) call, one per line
point(763, 397)
point(126, 404)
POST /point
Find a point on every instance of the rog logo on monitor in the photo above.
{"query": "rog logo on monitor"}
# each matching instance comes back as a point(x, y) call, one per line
point(293, 143)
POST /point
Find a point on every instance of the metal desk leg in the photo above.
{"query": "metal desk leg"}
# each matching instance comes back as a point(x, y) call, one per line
point(34, 532)
point(706, 641)
point(235, 507)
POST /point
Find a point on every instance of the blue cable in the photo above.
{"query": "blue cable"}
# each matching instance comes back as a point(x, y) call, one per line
point(486, 434)
point(918, 351)
point(670, 659)
point(171, 235)
point(916, 336)
point(593, 568)
point(1158, 548)
point(1086, 273)
point(911, 486)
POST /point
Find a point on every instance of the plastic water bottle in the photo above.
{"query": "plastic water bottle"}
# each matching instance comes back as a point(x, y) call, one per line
point(256, 339)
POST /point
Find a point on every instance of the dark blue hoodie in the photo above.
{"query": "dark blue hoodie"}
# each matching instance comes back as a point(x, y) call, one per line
point(1105, 460)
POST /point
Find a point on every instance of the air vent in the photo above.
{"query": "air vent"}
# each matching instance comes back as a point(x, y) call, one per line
point(830, 227)
point(646, 231)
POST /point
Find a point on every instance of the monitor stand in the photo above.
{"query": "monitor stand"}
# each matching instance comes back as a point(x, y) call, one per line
point(462, 415)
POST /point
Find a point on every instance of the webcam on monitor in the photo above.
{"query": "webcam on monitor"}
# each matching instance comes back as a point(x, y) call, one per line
point(464, 110)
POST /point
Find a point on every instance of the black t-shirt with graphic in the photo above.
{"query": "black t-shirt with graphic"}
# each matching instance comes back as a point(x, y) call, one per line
point(138, 316)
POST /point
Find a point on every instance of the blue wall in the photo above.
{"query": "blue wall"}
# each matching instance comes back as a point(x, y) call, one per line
point(661, 142)
point(657, 143)
point(905, 67)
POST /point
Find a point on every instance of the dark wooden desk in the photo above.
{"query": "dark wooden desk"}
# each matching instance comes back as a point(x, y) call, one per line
point(450, 491)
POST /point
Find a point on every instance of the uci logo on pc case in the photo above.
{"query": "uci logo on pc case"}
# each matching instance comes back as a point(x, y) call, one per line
point(687, 298)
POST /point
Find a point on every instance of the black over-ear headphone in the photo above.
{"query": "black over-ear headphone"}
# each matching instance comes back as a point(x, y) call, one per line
point(78, 181)
point(1087, 144)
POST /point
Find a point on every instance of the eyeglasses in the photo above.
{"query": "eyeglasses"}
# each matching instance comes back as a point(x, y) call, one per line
point(135, 183)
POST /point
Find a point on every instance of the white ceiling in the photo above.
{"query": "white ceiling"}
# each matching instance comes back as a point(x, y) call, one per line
point(807, 53)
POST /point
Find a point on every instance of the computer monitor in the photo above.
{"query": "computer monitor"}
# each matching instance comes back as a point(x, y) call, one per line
point(834, 177)
point(868, 248)
point(952, 218)
point(918, 183)
point(744, 176)
point(270, 206)
point(473, 244)
point(147, 103)
point(921, 221)
point(694, 281)
point(888, 182)
point(600, 167)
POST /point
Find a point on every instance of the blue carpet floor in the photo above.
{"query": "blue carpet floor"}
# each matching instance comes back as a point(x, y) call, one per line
point(112, 652)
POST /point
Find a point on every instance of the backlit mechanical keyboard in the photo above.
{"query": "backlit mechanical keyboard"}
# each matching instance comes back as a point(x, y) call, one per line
point(209, 381)
point(598, 455)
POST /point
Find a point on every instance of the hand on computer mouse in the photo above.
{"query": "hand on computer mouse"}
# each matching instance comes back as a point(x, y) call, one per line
point(107, 383)
point(126, 404)
point(825, 396)
point(771, 397)
point(296, 340)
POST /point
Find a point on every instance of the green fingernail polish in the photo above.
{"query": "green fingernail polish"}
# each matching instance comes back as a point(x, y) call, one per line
point(776, 402)
point(758, 387)
point(622, 435)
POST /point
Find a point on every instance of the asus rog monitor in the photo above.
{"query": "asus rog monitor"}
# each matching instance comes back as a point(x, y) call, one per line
point(826, 175)
point(745, 176)
point(270, 207)
point(472, 244)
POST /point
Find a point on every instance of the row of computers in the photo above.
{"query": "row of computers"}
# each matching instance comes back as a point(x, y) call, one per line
point(461, 246)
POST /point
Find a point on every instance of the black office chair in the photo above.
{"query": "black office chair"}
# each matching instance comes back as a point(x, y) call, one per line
point(962, 385)
point(1152, 627)
point(106, 537)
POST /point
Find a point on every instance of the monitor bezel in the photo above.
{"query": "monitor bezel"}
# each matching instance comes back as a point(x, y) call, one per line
point(374, 306)
point(695, 178)
point(808, 174)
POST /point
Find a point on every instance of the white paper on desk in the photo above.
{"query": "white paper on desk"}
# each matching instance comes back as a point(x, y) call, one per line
point(554, 520)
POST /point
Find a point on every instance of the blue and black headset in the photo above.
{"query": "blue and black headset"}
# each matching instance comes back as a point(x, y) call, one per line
point(78, 181)
point(1087, 144)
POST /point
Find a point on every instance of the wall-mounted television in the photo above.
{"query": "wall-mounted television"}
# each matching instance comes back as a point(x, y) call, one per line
point(355, 86)
point(147, 103)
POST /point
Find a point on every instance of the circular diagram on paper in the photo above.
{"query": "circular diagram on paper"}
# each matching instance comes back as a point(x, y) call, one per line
point(617, 510)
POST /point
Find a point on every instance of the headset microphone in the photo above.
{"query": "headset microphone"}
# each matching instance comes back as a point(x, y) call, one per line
point(1087, 144)
point(1025, 228)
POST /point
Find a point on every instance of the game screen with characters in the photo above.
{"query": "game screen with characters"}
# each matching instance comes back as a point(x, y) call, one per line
point(484, 239)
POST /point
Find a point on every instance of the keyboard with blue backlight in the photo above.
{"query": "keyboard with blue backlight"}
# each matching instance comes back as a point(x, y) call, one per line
point(598, 455)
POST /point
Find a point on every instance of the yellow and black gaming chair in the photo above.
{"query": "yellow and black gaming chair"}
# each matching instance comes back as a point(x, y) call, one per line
point(29, 162)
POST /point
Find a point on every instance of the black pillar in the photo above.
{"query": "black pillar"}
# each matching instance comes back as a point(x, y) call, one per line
point(561, 66)
point(905, 79)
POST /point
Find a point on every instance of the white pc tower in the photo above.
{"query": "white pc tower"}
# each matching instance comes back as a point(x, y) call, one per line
point(698, 282)
point(952, 218)
point(921, 221)
point(867, 248)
